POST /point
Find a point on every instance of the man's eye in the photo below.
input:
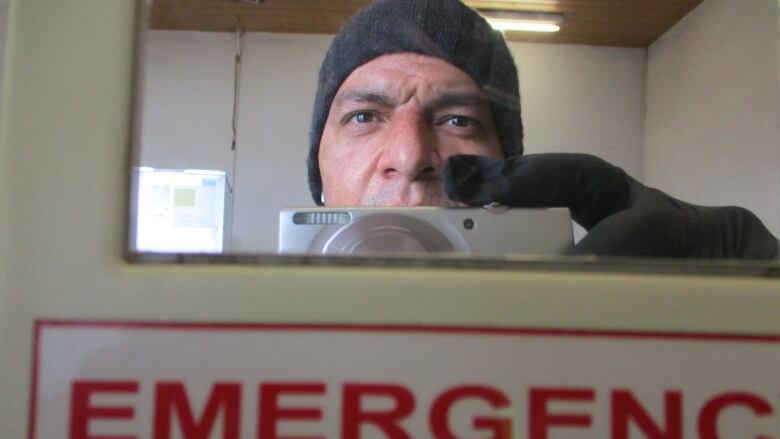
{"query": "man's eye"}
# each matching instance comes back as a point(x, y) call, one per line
point(363, 117)
point(460, 121)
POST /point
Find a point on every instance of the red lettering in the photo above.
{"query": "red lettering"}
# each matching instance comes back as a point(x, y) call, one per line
point(540, 420)
point(708, 417)
point(352, 415)
point(171, 397)
point(500, 428)
point(625, 408)
point(271, 413)
point(81, 411)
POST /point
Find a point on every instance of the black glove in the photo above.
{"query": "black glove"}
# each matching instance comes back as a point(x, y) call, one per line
point(622, 216)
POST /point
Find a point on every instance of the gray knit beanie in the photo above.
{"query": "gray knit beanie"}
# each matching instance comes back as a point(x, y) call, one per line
point(445, 29)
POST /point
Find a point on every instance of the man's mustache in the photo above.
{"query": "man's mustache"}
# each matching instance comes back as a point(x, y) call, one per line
point(422, 192)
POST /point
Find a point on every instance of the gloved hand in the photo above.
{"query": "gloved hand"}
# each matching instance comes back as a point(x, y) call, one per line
point(622, 216)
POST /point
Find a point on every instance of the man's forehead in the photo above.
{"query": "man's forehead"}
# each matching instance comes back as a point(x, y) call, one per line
point(400, 73)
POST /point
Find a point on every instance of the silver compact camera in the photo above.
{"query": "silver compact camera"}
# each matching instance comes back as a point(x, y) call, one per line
point(491, 230)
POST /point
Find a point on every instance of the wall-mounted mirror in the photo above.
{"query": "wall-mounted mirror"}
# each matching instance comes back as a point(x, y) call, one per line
point(681, 94)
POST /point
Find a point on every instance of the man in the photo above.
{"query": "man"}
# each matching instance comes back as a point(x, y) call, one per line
point(418, 104)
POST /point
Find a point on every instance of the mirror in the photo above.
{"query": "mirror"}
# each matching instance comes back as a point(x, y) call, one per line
point(227, 89)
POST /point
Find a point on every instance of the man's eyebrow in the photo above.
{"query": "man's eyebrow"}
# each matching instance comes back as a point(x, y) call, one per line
point(364, 95)
point(444, 100)
point(458, 99)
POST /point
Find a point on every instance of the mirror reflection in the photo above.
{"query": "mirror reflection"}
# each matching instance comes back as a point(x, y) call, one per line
point(626, 111)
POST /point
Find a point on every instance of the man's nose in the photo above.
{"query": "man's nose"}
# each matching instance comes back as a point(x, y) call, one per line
point(409, 151)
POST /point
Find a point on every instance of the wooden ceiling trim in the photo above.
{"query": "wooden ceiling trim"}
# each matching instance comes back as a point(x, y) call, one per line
point(632, 23)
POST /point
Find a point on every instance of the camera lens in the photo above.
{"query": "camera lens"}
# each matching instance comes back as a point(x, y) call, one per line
point(468, 223)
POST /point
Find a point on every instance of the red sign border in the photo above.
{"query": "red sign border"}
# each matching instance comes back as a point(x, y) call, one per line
point(42, 324)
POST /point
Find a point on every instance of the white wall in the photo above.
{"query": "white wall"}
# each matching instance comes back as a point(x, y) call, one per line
point(188, 100)
point(713, 108)
point(574, 98)
point(277, 93)
point(583, 99)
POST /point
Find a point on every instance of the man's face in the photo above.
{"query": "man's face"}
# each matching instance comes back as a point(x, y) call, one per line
point(393, 123)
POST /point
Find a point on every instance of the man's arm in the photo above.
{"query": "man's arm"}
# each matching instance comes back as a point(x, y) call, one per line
point(622, 216)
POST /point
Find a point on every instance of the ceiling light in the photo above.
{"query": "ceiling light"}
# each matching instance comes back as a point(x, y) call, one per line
point(523, 21)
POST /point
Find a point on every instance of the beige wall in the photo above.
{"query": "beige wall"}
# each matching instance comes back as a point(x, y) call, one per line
point(713, 108)
point(62, 175)
point(3, 36)
point(4, 227)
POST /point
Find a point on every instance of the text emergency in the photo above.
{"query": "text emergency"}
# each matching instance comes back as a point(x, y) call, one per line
point(171, 406)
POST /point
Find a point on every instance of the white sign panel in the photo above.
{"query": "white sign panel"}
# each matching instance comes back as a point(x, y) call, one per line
point(133, 380)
